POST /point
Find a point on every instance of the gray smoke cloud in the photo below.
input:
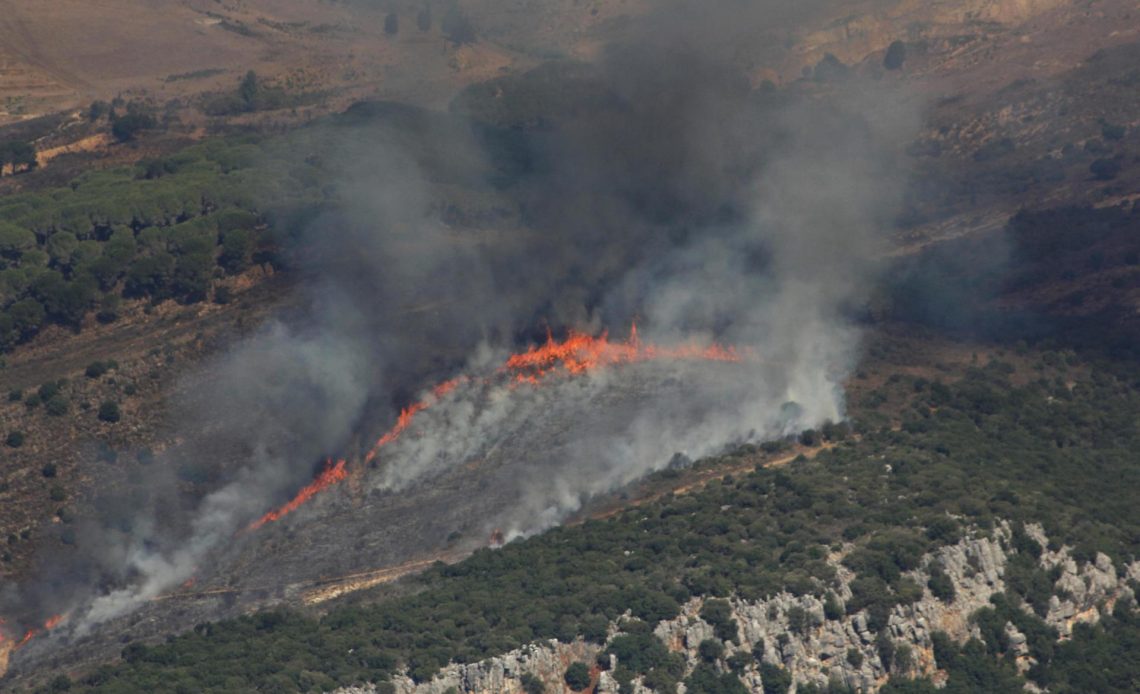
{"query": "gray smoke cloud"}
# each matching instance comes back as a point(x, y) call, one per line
point(682, 198)
point(781, 276)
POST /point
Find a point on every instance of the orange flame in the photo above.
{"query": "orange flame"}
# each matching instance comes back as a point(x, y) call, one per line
point(402, 423)
point(409, 413)
point(332, 474)
point(576, 354)
point(51, 623)
point(580, 353)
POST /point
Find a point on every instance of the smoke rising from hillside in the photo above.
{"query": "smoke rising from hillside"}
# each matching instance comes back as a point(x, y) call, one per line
point(687, 201)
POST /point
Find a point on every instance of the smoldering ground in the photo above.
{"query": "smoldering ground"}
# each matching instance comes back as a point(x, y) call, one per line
point(683, 198)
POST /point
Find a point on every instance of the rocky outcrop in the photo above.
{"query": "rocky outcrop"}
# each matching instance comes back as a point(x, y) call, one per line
point(819, 654)
point(502, 674)
point(1081, 591)
point(797, 636)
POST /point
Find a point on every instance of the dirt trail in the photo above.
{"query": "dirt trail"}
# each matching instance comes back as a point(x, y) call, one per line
point(92, 143)
point(697, 482)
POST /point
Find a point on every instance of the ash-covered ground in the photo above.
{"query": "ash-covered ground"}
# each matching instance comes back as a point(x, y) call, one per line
point(510, 458)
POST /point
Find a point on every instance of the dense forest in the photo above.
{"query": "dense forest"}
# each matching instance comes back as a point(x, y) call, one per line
point(163, 229)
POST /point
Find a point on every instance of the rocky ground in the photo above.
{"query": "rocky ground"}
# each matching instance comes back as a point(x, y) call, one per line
point(819, 653)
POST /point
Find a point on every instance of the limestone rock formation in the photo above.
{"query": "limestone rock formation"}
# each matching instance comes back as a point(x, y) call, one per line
point(797, 636)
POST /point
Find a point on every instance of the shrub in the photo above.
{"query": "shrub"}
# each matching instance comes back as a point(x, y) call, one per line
point(831, 607)
point(799, 619)
point(904, 658)
point(706, 679)
point(56, 493)
point(95, 369)
point(56, 406)
point(1105, 169)
point(886, 650)
point(940, 584)
point(855, 657)
point(718, 613)
point(531, 684)
point(896, 56)
point(639, 653)
point(126, 128)
point(711, 650)
point(738, 661)
point(1112, 131)
point(48, 390)
point(49, 470)
point(775, 679)
point(577, 676)
point(109, 412)
point(15, 439)
point(758, 650)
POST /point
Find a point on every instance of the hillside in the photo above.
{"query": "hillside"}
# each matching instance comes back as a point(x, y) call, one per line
point(922, 521)
point(533, 346)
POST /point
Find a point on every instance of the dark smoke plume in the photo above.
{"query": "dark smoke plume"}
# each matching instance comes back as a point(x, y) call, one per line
point(676, 195)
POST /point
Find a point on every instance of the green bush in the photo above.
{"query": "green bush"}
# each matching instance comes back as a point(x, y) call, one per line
point(940, 584)
point(638, 653)
point(15, 439)
point(577, 676)
point(706, 679)
point(531, 684)
point(832, 610)
point(126, 128)
point(775, 679)
point(718, 613)
point(109, 412)
point(56, 406)
point(711, 650)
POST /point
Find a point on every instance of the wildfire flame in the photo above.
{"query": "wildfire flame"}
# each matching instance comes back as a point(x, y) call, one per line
point(51, 623)
point(332, 473)
point(578, 353)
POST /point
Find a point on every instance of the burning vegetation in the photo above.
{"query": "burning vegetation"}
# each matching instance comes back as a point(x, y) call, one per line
point(11, 645)
point(576, 354)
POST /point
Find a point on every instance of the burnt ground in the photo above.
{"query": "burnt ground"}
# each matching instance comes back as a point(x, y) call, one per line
point(360, 535)
point(515, 483)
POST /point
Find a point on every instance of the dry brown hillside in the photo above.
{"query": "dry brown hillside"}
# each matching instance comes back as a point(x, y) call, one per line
point(63, 54)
